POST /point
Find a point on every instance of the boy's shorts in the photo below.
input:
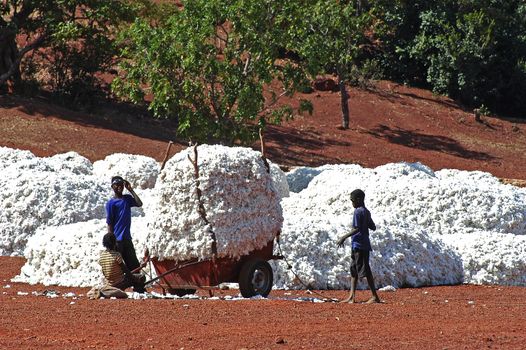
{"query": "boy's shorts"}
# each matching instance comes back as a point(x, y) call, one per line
point(360, 263)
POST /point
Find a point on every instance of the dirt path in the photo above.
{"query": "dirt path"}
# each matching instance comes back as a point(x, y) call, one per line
point(458, 317)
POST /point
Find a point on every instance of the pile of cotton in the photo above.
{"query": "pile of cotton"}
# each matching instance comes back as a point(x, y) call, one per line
point(279, 179)
point(241, 204)
point(37, 192)
point(492, 257)
point(10, 157)
point(433, 228)
point(451, 201)
point(140, 171)
point(70, 162)
point(403, 256)
point(68, 255)
point(300, 177)
point(421, 217)
point(13, 161)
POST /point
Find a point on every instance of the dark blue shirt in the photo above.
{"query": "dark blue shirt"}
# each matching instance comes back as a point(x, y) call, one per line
point(363, 222)
point(118, 214)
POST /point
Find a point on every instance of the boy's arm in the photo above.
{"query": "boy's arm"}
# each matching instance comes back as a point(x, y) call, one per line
point(343, 238)
point(109, 216)
point(372, 225)
point(125, 269)
point(132, 192)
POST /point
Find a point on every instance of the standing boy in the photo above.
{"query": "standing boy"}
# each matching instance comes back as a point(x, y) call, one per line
point(118, 218)
point(361, 246)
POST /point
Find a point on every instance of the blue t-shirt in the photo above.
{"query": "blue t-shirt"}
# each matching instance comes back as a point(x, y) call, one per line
point(118, 214)
point(362, 220)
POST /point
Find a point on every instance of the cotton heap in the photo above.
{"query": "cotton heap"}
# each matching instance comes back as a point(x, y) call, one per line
point(68, 255)
point(240, 201)
point(140, 171)
point(37, 192)
point(443, 227)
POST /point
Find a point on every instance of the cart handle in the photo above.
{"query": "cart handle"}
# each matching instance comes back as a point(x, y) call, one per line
point(171, 270)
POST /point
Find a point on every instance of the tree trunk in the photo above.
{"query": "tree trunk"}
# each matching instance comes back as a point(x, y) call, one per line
point(9, 63)
point(11, 57)
point(362, 5)
point(344, 101)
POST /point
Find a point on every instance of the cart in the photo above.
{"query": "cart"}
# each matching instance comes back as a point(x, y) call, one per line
point(252, 272)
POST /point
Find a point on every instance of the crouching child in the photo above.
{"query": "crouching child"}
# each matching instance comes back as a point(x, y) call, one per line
point(116, 274)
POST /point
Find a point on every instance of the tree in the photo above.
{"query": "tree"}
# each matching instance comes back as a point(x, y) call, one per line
point(208, 65)
point(330, 37)
point(67, 37)
point(473, 51)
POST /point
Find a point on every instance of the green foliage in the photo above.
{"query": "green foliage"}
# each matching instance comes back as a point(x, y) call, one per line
point(362, 74)
point(331, 36)
point(334, 37)
point(470, 50)
point(483, 110)
point(213, 66)
point(66, 43)
point(206, 65)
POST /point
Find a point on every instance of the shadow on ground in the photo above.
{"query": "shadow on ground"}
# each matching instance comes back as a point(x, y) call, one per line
point(425, 142)
point(107, 115)
point(291, 147)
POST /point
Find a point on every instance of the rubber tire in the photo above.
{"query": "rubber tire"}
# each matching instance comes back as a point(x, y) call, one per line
point(182, 292)
point(246, 277)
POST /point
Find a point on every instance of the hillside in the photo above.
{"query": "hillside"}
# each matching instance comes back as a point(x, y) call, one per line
point(389, 123)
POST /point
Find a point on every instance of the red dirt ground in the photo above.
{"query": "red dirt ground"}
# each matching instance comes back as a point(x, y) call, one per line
point(460, 317)
point(389, 123)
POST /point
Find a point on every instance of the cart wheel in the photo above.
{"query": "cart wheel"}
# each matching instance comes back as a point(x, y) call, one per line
point(181, 292)
point(255, 278)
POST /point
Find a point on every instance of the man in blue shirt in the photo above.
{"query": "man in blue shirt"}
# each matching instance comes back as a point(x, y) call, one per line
point(118, 218)
point(361, 246)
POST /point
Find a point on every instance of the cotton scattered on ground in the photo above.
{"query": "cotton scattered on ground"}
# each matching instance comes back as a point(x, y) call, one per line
point(443, 227)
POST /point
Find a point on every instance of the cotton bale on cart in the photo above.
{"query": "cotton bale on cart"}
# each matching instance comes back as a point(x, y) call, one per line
point(215, 221)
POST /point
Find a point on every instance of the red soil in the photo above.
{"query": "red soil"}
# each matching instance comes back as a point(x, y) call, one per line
point(460, 317)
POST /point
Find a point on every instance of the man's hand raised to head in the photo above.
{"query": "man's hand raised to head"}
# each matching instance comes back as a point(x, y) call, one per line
point(135, 196)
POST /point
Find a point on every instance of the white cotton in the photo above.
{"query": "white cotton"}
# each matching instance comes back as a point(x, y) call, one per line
point(427, 212)
point(37, 192)
point(492, 258)
point(402, 256)
point(140, 171)
point(300, 177)
point(68, 255)
point(433, 227)
point(279, 179)
point(240, 201)
point(71, 162)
